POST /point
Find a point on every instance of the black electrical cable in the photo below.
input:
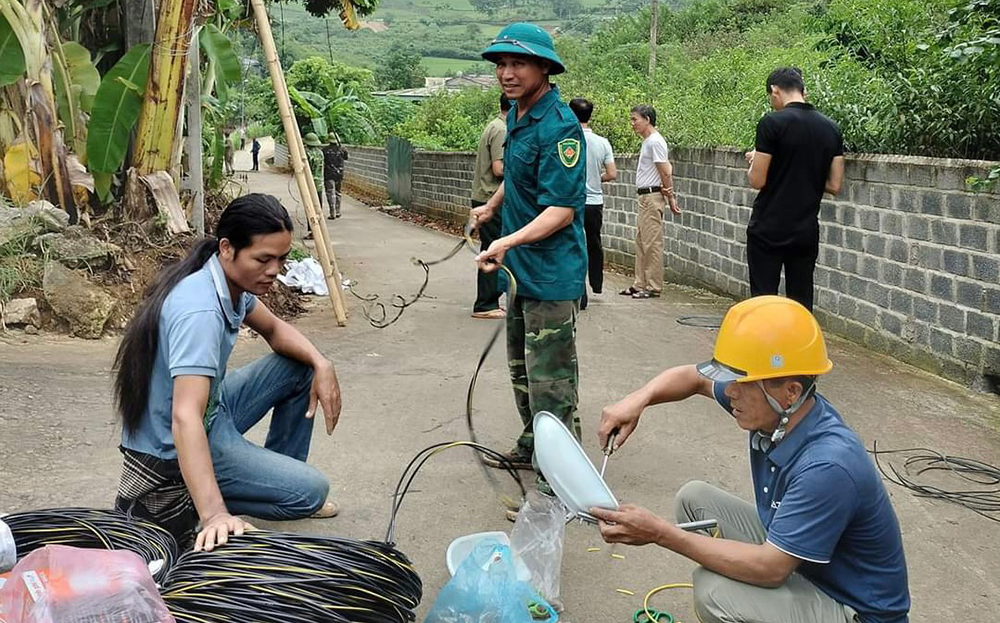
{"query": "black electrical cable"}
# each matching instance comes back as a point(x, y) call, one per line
point(273, 577)
point(983, 500)
point(410, 472)
point(95, 529)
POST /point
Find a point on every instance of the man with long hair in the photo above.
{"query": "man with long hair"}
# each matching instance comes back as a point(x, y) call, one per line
point(186, 460)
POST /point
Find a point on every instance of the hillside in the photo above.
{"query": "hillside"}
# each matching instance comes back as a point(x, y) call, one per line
point(448, 34)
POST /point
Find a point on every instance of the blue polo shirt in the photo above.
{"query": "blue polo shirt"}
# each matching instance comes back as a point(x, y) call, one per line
point(822, 500)
point(545, 165)
point(198, 329)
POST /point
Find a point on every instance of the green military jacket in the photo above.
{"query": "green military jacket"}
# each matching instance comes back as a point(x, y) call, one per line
point(544, 165)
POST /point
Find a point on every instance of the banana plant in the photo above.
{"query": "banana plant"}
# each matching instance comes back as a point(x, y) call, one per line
point(116, 108)
point(29, 23)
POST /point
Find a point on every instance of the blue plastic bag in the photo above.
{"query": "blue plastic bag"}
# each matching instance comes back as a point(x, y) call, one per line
point(485, 589)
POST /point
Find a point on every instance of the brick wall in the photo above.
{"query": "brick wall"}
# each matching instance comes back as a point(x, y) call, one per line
point(442, 184)
point(909, 261)
point(365, 173)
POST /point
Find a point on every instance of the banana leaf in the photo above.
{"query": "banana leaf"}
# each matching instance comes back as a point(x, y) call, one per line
point(219, 51)
point(12, 65)
point(116, 110)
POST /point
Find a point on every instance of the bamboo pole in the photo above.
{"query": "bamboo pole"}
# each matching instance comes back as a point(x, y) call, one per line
point(296, 152)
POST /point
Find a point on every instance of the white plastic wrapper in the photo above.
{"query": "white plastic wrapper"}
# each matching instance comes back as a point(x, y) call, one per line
point(305, 275)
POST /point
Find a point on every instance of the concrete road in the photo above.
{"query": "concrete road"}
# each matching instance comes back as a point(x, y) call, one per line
point(404, 388)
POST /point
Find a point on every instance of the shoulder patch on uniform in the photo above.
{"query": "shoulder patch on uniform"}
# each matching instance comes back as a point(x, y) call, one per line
point(569, 152)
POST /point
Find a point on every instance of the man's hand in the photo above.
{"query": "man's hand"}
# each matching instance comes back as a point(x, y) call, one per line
point(630, 524)
point(325, 392)
point(623, 415)
point(215, 531)
point(480, 215)
point(671, 197)
point(490, 260)
point(749, 156)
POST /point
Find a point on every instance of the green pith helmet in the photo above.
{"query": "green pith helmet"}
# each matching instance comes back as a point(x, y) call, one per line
point(332, 137)
point(311, 140)
point(527, 40)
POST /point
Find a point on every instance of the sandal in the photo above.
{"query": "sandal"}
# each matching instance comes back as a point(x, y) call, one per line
point(629, 291)
point(518, 462)
point(646, 294)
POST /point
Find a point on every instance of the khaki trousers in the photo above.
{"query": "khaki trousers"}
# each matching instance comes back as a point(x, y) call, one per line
point(718, 599)
point(649, 243)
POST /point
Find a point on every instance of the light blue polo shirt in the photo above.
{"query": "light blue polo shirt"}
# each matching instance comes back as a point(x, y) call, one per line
point(822, 500)
point(198, 329)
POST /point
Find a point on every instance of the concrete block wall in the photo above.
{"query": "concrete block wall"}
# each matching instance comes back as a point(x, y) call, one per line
point(365, 173)
point(909, 260)
point(442, 184)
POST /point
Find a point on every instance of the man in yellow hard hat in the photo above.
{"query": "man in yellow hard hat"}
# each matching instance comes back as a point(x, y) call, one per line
point(822, 543)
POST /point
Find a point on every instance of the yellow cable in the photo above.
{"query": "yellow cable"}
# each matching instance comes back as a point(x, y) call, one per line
point(645, 601)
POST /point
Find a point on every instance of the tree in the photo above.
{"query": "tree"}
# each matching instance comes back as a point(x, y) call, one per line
point(489, 6)
point(401, 70)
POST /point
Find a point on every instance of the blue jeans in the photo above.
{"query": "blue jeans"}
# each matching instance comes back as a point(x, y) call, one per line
point(273, 482)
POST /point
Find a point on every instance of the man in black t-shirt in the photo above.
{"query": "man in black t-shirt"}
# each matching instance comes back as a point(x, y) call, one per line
point(798, 155)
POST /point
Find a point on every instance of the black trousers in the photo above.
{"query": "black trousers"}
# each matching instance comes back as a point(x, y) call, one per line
point(593, 218)
point(487, 285)
point(256, 165)
point(765, 263)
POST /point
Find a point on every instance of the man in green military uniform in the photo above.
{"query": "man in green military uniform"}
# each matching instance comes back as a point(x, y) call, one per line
point(542, 240)
point(314, 153)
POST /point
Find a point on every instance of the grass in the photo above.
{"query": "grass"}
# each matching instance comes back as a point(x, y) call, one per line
point(438, 66)
point(19, 269)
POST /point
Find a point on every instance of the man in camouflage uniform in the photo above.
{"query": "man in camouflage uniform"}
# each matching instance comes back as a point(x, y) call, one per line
point(314, 154)
point(334, 156)
point(542, 240)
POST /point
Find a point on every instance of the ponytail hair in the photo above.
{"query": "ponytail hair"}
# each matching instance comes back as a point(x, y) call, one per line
point(245, 217)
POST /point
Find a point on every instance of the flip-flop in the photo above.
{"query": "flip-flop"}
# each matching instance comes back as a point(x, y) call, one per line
point(629, 291)
point(493, 314)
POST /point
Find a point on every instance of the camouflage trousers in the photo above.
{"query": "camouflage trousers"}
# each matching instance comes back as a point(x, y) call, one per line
point(541, 355)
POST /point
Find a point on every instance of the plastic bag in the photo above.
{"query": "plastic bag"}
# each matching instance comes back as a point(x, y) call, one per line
point(60, 584)
point(305, 275)
point(485, 589)
point(537, 539)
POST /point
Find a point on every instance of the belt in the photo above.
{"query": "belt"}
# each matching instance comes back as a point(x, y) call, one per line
point(648, 190)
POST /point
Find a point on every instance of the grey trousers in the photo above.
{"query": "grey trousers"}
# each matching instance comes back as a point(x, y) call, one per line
point(718, 599)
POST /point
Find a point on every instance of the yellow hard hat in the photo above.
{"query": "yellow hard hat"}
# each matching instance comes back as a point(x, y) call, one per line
point(767, 337)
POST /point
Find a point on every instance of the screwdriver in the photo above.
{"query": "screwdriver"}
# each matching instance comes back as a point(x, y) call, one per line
point(608, 450)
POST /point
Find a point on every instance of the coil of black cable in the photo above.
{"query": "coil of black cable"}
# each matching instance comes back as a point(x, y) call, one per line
point(95, 529)
point(277, 577)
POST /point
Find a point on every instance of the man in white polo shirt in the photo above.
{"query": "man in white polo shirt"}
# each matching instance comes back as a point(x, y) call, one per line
point(600, 168)
point(654, 182)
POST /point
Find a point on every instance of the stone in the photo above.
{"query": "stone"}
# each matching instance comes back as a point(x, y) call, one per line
point(77, 248)
point(18, 312)
point(49, 216)
point(31, 329)
point(85, 306)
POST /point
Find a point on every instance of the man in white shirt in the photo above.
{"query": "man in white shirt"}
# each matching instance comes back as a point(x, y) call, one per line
point(600, 168)
point(654, 182)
